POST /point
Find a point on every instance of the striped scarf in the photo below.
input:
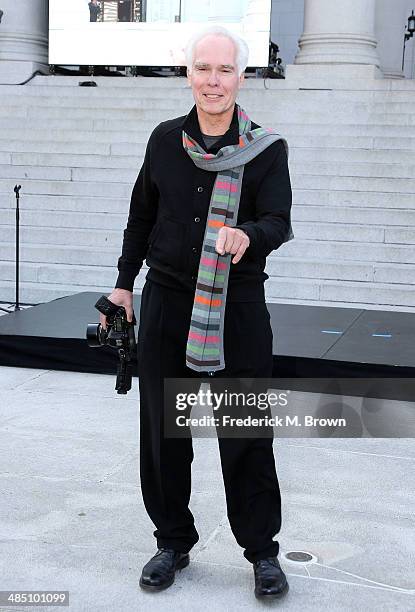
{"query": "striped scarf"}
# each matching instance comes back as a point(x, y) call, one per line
point(204, 350)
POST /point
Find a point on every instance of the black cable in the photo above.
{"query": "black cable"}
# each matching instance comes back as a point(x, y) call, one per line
point(36, 72)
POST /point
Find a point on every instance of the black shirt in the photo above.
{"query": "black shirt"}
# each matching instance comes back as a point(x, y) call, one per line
point(169, 207)
point(210, 140)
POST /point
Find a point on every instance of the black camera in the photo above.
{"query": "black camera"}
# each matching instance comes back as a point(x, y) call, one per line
point(120, 335)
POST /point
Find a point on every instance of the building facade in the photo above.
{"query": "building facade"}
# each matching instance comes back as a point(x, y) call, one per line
point(317, 38)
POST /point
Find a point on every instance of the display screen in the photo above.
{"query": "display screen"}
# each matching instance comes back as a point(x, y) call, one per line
point(149, 32)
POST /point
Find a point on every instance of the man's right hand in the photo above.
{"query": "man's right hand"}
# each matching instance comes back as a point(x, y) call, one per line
point(120, 297)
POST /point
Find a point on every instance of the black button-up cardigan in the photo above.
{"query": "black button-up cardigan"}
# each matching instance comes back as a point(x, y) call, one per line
point(169, 207)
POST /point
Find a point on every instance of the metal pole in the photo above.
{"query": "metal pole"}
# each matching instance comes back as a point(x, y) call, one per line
point(16, 306)
point(16, 191)
point(413, 59)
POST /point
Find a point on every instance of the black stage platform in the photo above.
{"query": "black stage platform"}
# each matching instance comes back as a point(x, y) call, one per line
point(309, 341)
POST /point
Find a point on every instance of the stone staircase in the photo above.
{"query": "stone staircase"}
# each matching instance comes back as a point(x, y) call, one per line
point(76, 152)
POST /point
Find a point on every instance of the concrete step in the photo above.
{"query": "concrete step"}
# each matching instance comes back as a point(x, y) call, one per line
point(11, 111)
point(372, 170)
point(121, 145)
point(109, 81)
point(330, 201)
point(344, 128)
point(35, 172)
point(73, 204)
point(391, 273)
point(291, 267)
point(137, 114)
point(93, 100)
point(110, 99)
point(313, 291)
point(288, 268)
point(275, 299)
point(298, 170)
point(311, 190)
point(384, 144)
point(334, 155)
point(5, 158)
point(294, 115)
point(378, 88)
point(37, 293)
point(158, 87)
point(71, 160)
point(116, 219)
point(15, 123)
point(349, 199)
point(56, 173)
point(77, 236)
point(101, 92)
point(62, 188)
point(84, 147)
point(76, 135)
point(367, 184)
point(388, 159)
point(127, 130)
point(134, 144)
point(381, 294)
point(290, 127)
point(30, 234)
point(370, 216)
point(335, 250)
point(105, 252)
point(114, 168)
point(60, 274)
point(61, 254)
point(64, 219)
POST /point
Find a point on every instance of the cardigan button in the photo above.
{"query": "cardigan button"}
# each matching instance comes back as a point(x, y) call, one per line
point(197, 219)
point(200, 189)
point(194, 249)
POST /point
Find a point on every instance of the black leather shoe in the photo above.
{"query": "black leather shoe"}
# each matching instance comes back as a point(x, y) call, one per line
point(158, 573)
point(270, 580)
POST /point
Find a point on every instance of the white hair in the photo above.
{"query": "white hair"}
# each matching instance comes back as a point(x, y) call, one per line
point(242, 49)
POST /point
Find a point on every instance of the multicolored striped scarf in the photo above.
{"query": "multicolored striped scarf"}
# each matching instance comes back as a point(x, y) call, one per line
point(204, 350)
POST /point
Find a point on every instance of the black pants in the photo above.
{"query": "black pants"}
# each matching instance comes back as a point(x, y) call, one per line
point(248, 467)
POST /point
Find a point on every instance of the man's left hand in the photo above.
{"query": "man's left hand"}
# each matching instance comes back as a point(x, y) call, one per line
point(232, 240)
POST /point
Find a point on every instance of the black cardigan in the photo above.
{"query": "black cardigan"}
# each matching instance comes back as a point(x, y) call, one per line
point(170, 203)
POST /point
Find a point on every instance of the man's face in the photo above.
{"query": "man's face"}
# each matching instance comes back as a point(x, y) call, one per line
point(214, 75)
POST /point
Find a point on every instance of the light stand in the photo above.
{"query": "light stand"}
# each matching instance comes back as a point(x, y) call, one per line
point(408, 35)
point(16, 305)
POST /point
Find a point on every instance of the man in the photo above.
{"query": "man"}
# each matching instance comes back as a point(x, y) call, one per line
point(198, 265)
point(94, 10)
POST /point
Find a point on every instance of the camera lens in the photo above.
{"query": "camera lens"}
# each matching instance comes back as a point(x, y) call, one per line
point(95, 334)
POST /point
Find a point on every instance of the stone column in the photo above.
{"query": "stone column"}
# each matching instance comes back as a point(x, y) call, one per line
point(23, 39)
point(391, 18)
point(338, 41)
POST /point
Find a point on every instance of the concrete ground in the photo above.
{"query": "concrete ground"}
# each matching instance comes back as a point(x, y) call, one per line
point(72, 517)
